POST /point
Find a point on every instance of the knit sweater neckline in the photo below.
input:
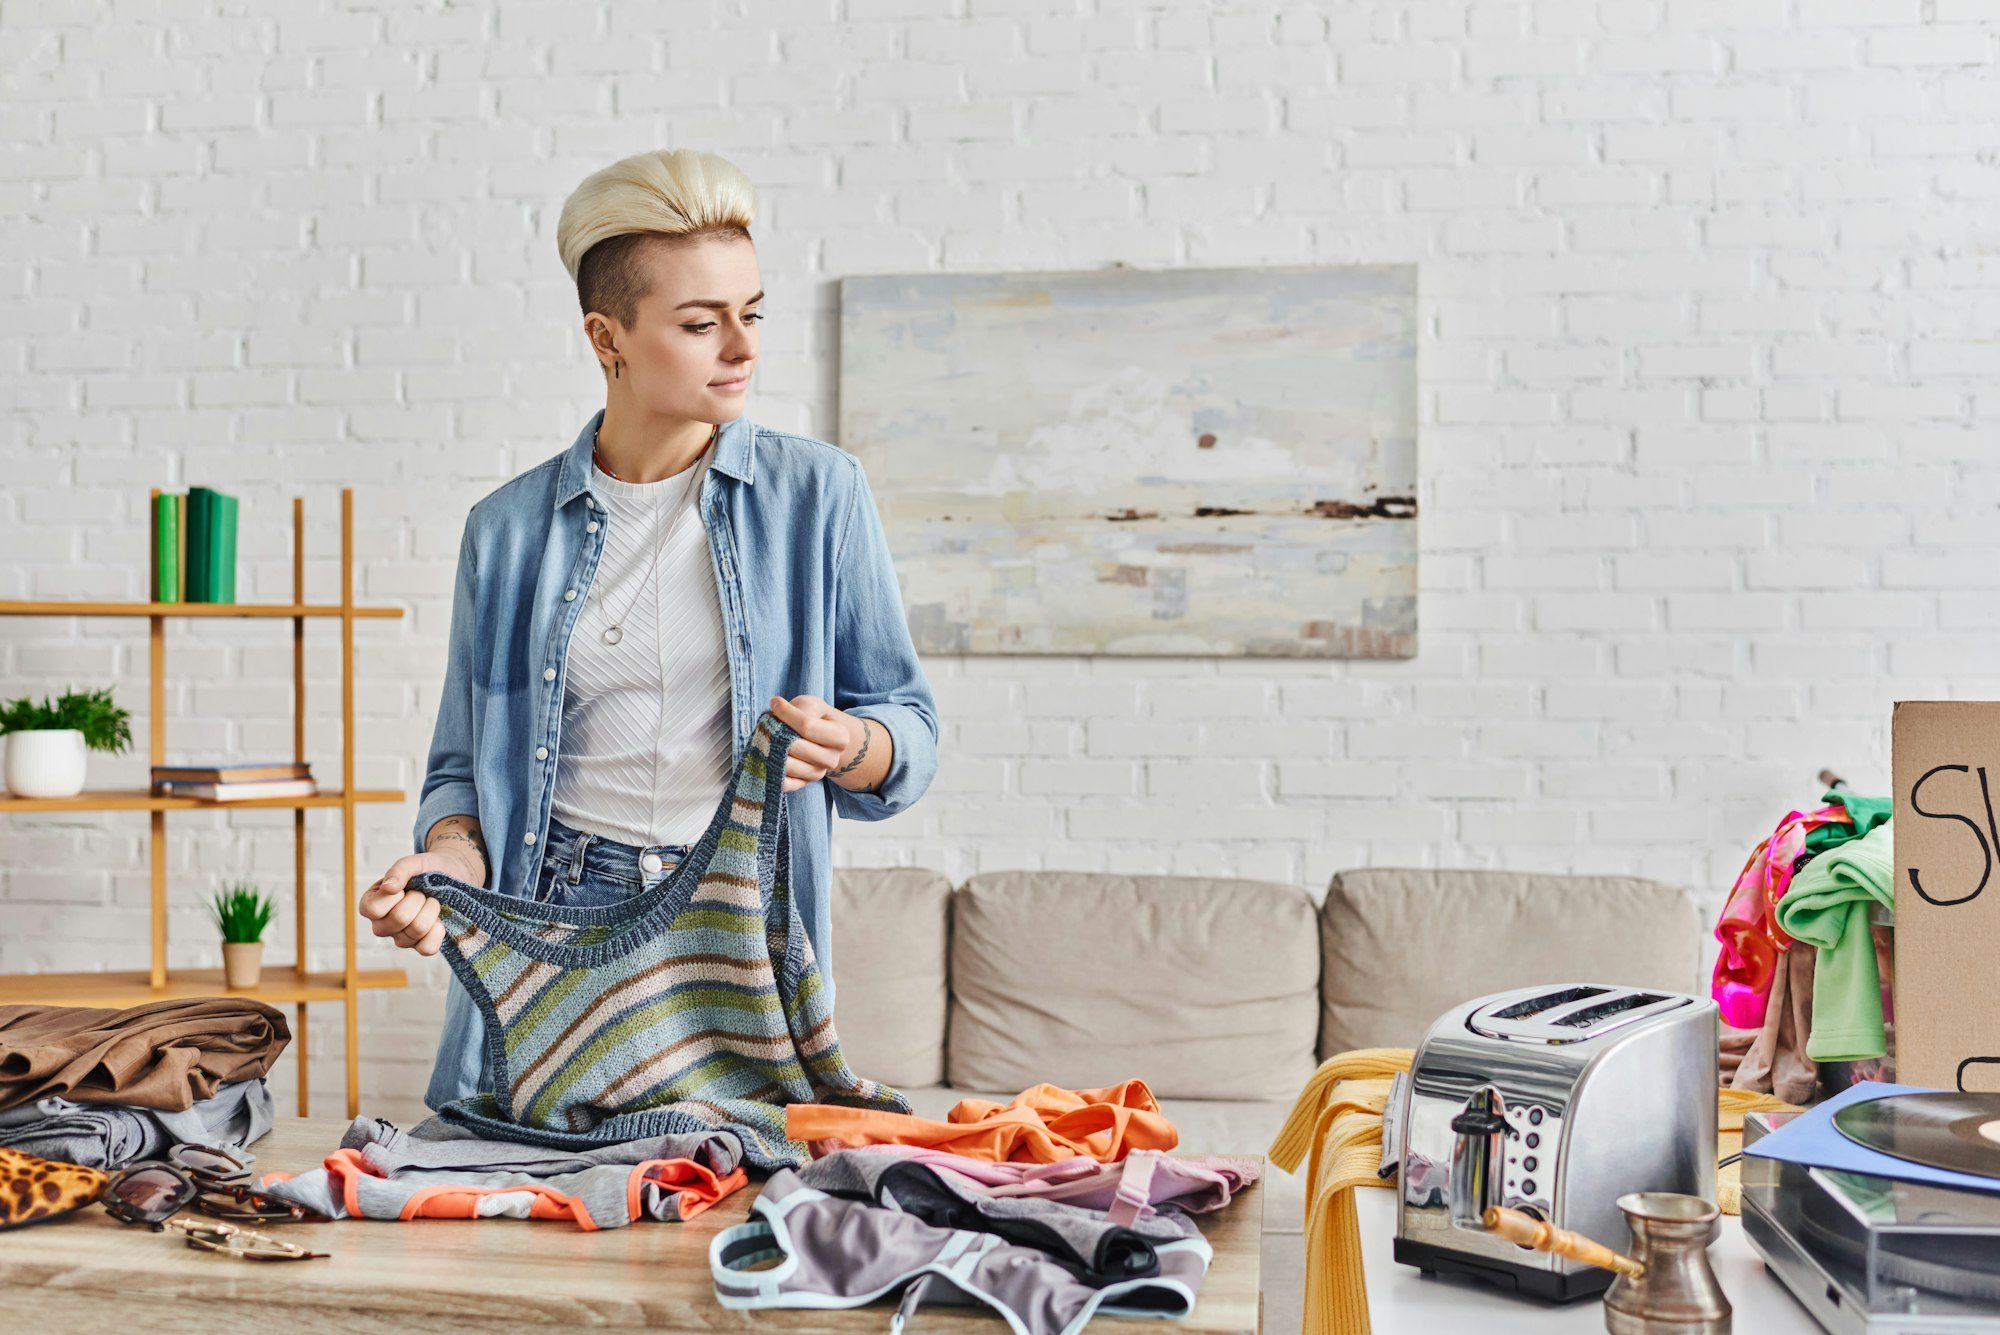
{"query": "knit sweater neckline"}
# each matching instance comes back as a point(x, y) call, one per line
point(635, 921)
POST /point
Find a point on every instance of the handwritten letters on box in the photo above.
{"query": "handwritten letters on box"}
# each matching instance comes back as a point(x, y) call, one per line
point(1947, 972)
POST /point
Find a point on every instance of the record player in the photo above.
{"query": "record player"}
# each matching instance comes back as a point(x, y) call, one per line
point(1869, 1255)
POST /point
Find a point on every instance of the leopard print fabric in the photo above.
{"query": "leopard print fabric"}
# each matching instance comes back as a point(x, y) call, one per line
point(32, 1189)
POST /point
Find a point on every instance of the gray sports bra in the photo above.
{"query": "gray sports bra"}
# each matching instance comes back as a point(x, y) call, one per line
point(809, 1249)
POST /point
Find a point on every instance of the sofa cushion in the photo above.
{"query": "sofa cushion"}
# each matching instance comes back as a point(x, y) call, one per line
point(1203, 988)
point(1402, 946)
point(891, 927)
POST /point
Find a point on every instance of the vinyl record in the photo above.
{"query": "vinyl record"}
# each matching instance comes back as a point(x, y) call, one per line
point(1959, 1133)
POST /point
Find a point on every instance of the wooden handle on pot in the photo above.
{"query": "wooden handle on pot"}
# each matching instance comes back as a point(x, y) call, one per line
point(1528, 1231)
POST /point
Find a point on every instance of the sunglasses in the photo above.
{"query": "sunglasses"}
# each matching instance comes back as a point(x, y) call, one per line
point(206, 1163)
point(198, 1177)
point(240, 1242)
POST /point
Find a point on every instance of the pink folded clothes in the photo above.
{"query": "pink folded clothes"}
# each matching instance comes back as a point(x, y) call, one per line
point(1752, 941)
point(1130, 1189)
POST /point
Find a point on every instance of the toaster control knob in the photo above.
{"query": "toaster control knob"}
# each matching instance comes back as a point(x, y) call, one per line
point(1478, 1123)
point(1534, 1117)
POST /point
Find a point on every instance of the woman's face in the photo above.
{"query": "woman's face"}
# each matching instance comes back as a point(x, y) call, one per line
point(693, 339)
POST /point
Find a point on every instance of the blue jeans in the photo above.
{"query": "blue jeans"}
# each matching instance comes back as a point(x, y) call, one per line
point(578, 869)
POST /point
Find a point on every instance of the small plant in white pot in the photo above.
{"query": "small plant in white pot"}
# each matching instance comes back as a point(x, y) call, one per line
point(241, 913)
point(46, 742)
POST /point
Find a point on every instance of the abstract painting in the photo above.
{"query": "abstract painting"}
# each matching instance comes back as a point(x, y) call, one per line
point(1207, 462)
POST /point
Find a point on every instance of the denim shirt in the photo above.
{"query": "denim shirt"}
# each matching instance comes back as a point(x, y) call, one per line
point(810, 606)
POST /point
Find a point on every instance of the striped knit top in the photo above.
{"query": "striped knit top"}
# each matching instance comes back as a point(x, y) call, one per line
point(692, 1006)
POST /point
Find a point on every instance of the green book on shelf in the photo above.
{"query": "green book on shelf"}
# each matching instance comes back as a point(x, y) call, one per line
point(166, 549)
point(225, 549)
point(181, 546)
point(199, 515)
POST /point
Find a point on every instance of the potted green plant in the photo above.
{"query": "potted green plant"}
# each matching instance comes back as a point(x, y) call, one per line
point(241, 914)
point(46, 742)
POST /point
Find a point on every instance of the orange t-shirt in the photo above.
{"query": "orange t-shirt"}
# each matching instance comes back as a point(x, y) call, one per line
point(1045, 1124)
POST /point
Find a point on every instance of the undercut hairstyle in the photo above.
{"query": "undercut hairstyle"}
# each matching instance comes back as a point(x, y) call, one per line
point(666, 197)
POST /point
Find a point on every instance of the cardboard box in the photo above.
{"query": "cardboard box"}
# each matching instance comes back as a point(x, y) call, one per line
point(1947, 985)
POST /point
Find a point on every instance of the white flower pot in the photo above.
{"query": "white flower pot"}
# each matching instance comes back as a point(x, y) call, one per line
point(45, 762)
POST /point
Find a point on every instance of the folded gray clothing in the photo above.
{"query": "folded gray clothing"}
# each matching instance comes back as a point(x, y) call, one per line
point(1083, 1241)
point(383, 1170)
point(111, 1135)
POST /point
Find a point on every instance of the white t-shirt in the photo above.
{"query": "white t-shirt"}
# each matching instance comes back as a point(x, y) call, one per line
point(645, 747)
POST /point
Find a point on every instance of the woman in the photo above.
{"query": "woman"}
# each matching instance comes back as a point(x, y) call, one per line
point(625, 611)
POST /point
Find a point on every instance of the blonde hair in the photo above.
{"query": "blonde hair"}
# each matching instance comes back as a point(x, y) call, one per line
point(671, 195)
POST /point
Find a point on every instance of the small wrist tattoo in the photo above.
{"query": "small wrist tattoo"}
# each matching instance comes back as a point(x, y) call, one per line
point(867, 736)
point(478, 844)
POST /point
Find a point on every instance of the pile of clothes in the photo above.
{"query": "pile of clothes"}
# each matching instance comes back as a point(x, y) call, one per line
point(1052, 1207)
point(101, 1088)
point(1798, 975)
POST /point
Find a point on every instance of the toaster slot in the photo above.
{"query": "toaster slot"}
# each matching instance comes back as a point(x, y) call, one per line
point(1548, 1001)
point(1604, 1010)
point(1575, 1013)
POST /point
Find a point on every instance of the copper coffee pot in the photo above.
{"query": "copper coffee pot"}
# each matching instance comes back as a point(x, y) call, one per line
point(1666, 1286)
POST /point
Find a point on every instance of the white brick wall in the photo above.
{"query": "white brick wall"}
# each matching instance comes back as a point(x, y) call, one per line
point(1707, 304)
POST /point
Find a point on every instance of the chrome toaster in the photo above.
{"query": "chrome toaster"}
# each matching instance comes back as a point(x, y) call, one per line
point(1554, 1101)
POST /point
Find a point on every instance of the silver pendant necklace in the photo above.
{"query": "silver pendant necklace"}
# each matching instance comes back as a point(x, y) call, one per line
point(615, 632)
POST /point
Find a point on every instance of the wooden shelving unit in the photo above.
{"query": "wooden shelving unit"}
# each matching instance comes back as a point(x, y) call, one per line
point(280, 984)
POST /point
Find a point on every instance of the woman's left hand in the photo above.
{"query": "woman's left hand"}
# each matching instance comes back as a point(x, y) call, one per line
point(826, 738)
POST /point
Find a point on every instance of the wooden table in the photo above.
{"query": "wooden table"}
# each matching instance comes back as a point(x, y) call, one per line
point(87, 1272)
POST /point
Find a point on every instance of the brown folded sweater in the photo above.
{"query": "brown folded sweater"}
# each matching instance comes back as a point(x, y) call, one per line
point(162, 1055)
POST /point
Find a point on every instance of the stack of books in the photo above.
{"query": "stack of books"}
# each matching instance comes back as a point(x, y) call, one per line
point(235, 783)
point(194, 547)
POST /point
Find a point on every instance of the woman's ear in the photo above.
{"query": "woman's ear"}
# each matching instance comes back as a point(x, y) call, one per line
point(603, 340)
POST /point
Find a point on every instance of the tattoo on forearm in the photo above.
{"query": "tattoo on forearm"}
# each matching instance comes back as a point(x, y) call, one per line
point(867, 736)
point(471, 837)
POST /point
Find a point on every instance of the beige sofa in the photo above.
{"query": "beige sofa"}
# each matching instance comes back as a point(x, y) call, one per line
point(1223, 995)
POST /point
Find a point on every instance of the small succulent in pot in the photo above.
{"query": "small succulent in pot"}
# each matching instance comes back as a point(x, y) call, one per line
point(46, 741)
point(241, 914)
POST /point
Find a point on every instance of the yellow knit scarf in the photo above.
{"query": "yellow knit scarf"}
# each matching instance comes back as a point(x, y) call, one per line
point(1338, 1121)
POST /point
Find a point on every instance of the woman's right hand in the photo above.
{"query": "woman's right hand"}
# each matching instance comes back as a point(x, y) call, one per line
point(410, 917)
